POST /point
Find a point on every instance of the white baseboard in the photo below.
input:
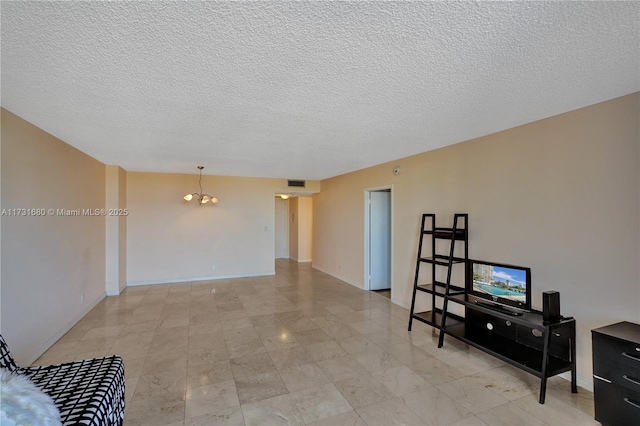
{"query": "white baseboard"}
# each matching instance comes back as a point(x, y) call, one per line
point(582, 381)
point(117, 292)
point(185, 280)
point(353, 283)
point(397, 302)
point(53, 339)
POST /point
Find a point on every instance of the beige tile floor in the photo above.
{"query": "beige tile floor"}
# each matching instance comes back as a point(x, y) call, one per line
point(300, 347)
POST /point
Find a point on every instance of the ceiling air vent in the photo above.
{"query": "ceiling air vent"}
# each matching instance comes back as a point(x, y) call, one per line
point(296, 183)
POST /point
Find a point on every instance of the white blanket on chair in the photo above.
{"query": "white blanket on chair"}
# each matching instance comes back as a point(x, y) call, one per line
point(23, 403)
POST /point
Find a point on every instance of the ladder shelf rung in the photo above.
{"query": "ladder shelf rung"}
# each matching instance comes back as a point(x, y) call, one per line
point(434, 320)
point(429, 317)
point(455, 288)
point(433, 288)
point(446, 233)
point(442, 260)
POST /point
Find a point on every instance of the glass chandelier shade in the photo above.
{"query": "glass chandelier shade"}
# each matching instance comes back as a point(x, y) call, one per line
point(201, 197)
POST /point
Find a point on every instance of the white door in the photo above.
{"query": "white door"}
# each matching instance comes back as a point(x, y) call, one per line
point(380, 240)
point(282, 229)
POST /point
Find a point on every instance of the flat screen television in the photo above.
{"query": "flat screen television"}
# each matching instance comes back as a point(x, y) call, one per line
point(499, 284)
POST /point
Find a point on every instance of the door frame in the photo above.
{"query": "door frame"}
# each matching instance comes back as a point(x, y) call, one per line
point(367, 249)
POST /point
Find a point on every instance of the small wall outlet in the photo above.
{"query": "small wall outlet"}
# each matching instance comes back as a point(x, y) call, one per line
point(339, 268)
point(404, 291)
point(213, 268)
point(82, 298)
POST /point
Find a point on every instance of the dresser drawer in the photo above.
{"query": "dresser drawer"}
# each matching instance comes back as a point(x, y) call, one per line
point(620, 351)
point(618, 374)
point(615, 405)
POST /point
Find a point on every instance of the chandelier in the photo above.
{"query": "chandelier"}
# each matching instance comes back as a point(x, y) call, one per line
point(200, 196)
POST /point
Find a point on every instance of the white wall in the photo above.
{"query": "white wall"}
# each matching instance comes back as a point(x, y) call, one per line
point(561, 195)
point(48, 262)
point(169, 239)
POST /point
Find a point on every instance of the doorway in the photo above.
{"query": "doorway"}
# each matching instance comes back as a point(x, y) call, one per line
point(378, 218)
point(282, 228)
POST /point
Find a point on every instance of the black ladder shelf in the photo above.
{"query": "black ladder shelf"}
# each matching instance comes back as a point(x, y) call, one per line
point(441, 264)
point(527, 341)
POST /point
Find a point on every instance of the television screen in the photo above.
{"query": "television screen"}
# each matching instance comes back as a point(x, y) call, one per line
point(504, 284)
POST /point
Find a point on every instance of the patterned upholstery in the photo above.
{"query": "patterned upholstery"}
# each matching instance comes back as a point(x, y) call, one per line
point(6, 360)
point(88, 392)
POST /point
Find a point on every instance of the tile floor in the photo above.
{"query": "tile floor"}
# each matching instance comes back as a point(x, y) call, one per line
point(385, 293)
point(300, 347)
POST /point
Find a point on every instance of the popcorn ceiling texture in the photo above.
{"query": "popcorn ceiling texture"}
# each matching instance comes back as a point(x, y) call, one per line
point(304, 90)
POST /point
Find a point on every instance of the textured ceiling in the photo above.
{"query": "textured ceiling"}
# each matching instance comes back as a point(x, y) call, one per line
point(304, 90)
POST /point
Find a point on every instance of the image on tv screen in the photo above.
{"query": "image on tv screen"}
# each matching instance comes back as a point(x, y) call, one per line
point(508, 283)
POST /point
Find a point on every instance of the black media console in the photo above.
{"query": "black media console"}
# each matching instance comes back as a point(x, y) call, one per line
point(524, 341)
point(520, 338)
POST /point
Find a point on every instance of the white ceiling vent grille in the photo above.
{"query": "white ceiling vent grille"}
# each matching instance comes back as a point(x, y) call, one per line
point(296, 183)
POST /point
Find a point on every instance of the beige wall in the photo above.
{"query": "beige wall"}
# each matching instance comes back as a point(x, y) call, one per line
point(282, 228)
point(561, 195)
point(300, 228)
point(122, 228)
point(48, 262)
point(169, 239)
point(305, 228)
point(293, 228)
point(116, 230)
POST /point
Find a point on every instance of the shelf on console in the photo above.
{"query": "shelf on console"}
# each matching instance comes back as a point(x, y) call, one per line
point(434, 319)
point(439, 288)
point(515, 353)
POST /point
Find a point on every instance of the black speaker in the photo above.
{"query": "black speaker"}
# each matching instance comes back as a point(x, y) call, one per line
point(551, 306)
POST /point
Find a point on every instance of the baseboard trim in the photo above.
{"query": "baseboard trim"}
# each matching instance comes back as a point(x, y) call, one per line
point(195, 279)
point(399, 303)
point(53, 339)
point(116, 292)
point(353, 283)
point(582, 381)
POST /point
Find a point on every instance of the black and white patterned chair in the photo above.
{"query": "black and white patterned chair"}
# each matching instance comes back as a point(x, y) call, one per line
point(87, 392)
